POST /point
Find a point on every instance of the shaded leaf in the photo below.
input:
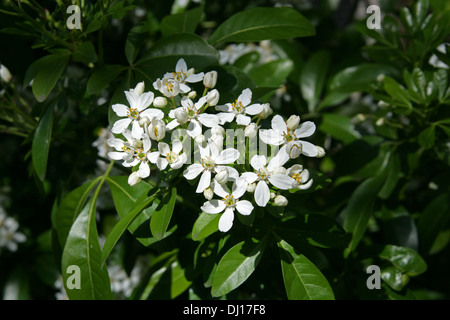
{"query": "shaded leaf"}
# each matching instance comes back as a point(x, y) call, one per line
point(161, 217)
point(41, 143)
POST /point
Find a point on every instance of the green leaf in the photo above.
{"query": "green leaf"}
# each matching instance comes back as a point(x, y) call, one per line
point(46, 72)
point(236, 265)
point(185, 22)
point(339, 127)
point(359, 77)
point(70, 207)
point(165, 53)
point(261, 23)
point(135, 40)
point(82, 250)
point(102, 76)
point(302, 279)
point(122, 225)
point(393, 175)
point(398, 93)
point(394, 278)
point(85, 53)
point(426, 137)
point(271, 74)
point(405, 259)
point(161, 217)
point(205, 225)
point(41, 143)
point(313, 76)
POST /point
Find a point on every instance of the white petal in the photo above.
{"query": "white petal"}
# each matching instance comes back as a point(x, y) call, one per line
point(254, 109)
point(163, 148)
point(226, 107)
point(213, 206)
point(147, 143)
point(270, 136)
point(250, 177)
point(116, 155)
point(227, 156)
point(258, 161)
point(305, 129)
point(120, 109)
point(193, 171)
point(120, 125)
point(181, 66)
point(243, 120)
point(133, 99)
point(262, 194)
point(145, 100)
point(136, 130)
point(172, 125)
point(162, 163)
point(219, 189)
point(179, 162)
point(226, 220)
point(177, 146)
point(144, 170)
point(152, 113)
point(208, 120)
point(153, 156)
point(279, 124)
point(184, 88)
point(306, 185)
point(195, 77)
point(214, 150)
point(245, 97)
point(282, 181)
point(308, 149)
point(279, 159)
point(194, 129)
point(204, 182)
point(239, 188)
point(244, 207)
point(225, 117)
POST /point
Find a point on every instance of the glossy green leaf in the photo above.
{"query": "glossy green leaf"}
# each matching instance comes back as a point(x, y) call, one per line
point(161, 217)
point(70, 207)
point(185, 22)
point(339, 127)
point(236, 266)
point(313, 76)
point(46, 72)
point(427, 137)
point(85, 53)
point(359, 77)
point(41, 143)
point(405, 259)
point(394, 278)
point(394, 172)
point(302, 279)
point(271, 74)
point(163, 56)
point(82, 250)
point(135, 40)
point(102, 76)
point(205, 225)
point(398, 93)
point(261, 23)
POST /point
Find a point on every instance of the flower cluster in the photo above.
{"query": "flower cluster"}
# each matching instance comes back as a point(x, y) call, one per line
point(10, 237)
point(238, 177)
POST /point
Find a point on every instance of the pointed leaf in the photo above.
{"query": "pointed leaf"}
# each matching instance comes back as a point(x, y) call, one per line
point(161, 217)
point(205, 225)
point(41, 143)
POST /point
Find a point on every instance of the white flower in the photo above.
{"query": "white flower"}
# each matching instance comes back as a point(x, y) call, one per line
point(137, 111)
point(266, 174)
point(280, 134)
point(239, 109)
point(213, 97)
point(229, 202)
point(156, 129)
point(212, 161)
point(168, 87)
point(194, 117)
point(300, 176)
point(9, 236)
point(182, 76)
point(164, 156)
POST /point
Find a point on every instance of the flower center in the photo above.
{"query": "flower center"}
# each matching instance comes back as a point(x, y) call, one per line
point(208, 163)
point(297, 177)
point(133, 113)
point(171, 157)
point(262, 173)
point(140, 154)
point(229, 200)
point(289, 136)
point(179, 76)
point(237, 106)
point(191, 112)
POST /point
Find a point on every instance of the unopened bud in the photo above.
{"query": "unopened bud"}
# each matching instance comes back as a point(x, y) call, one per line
point(181, 115)
point(267, 111)
point(210, 79)
point(222, 176)
point(280, 201)
point(160, 102)
point(293, 122)
point(5, 75)
point(251, 130)
point(140, 87)
point(192, 94)
point(251, 187)
point(208, 193)
point(320, 152)
point(213, 97)
point(134, 179)
point(217, 131)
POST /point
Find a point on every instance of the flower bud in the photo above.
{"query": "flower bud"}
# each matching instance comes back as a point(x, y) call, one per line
point(208, 193)
point(280, 201)
point(5, 75)
point(134, 179)
point(294, 149)
point(267, 111)
point(251, 187)
point(222, 176)
point(251, 130)
point(144, 121)
point(160, 102)
point(140, 87)
point(192, 94)
point(213, 97)
point(217, 130)
point(210, 79)
point(181, 115)
point(200, 139)
point(272, 195)
point(157, 129)
point(293, 122)
point(321, 152)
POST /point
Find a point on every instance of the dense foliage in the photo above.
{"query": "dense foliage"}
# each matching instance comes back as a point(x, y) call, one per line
point(363, 182)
